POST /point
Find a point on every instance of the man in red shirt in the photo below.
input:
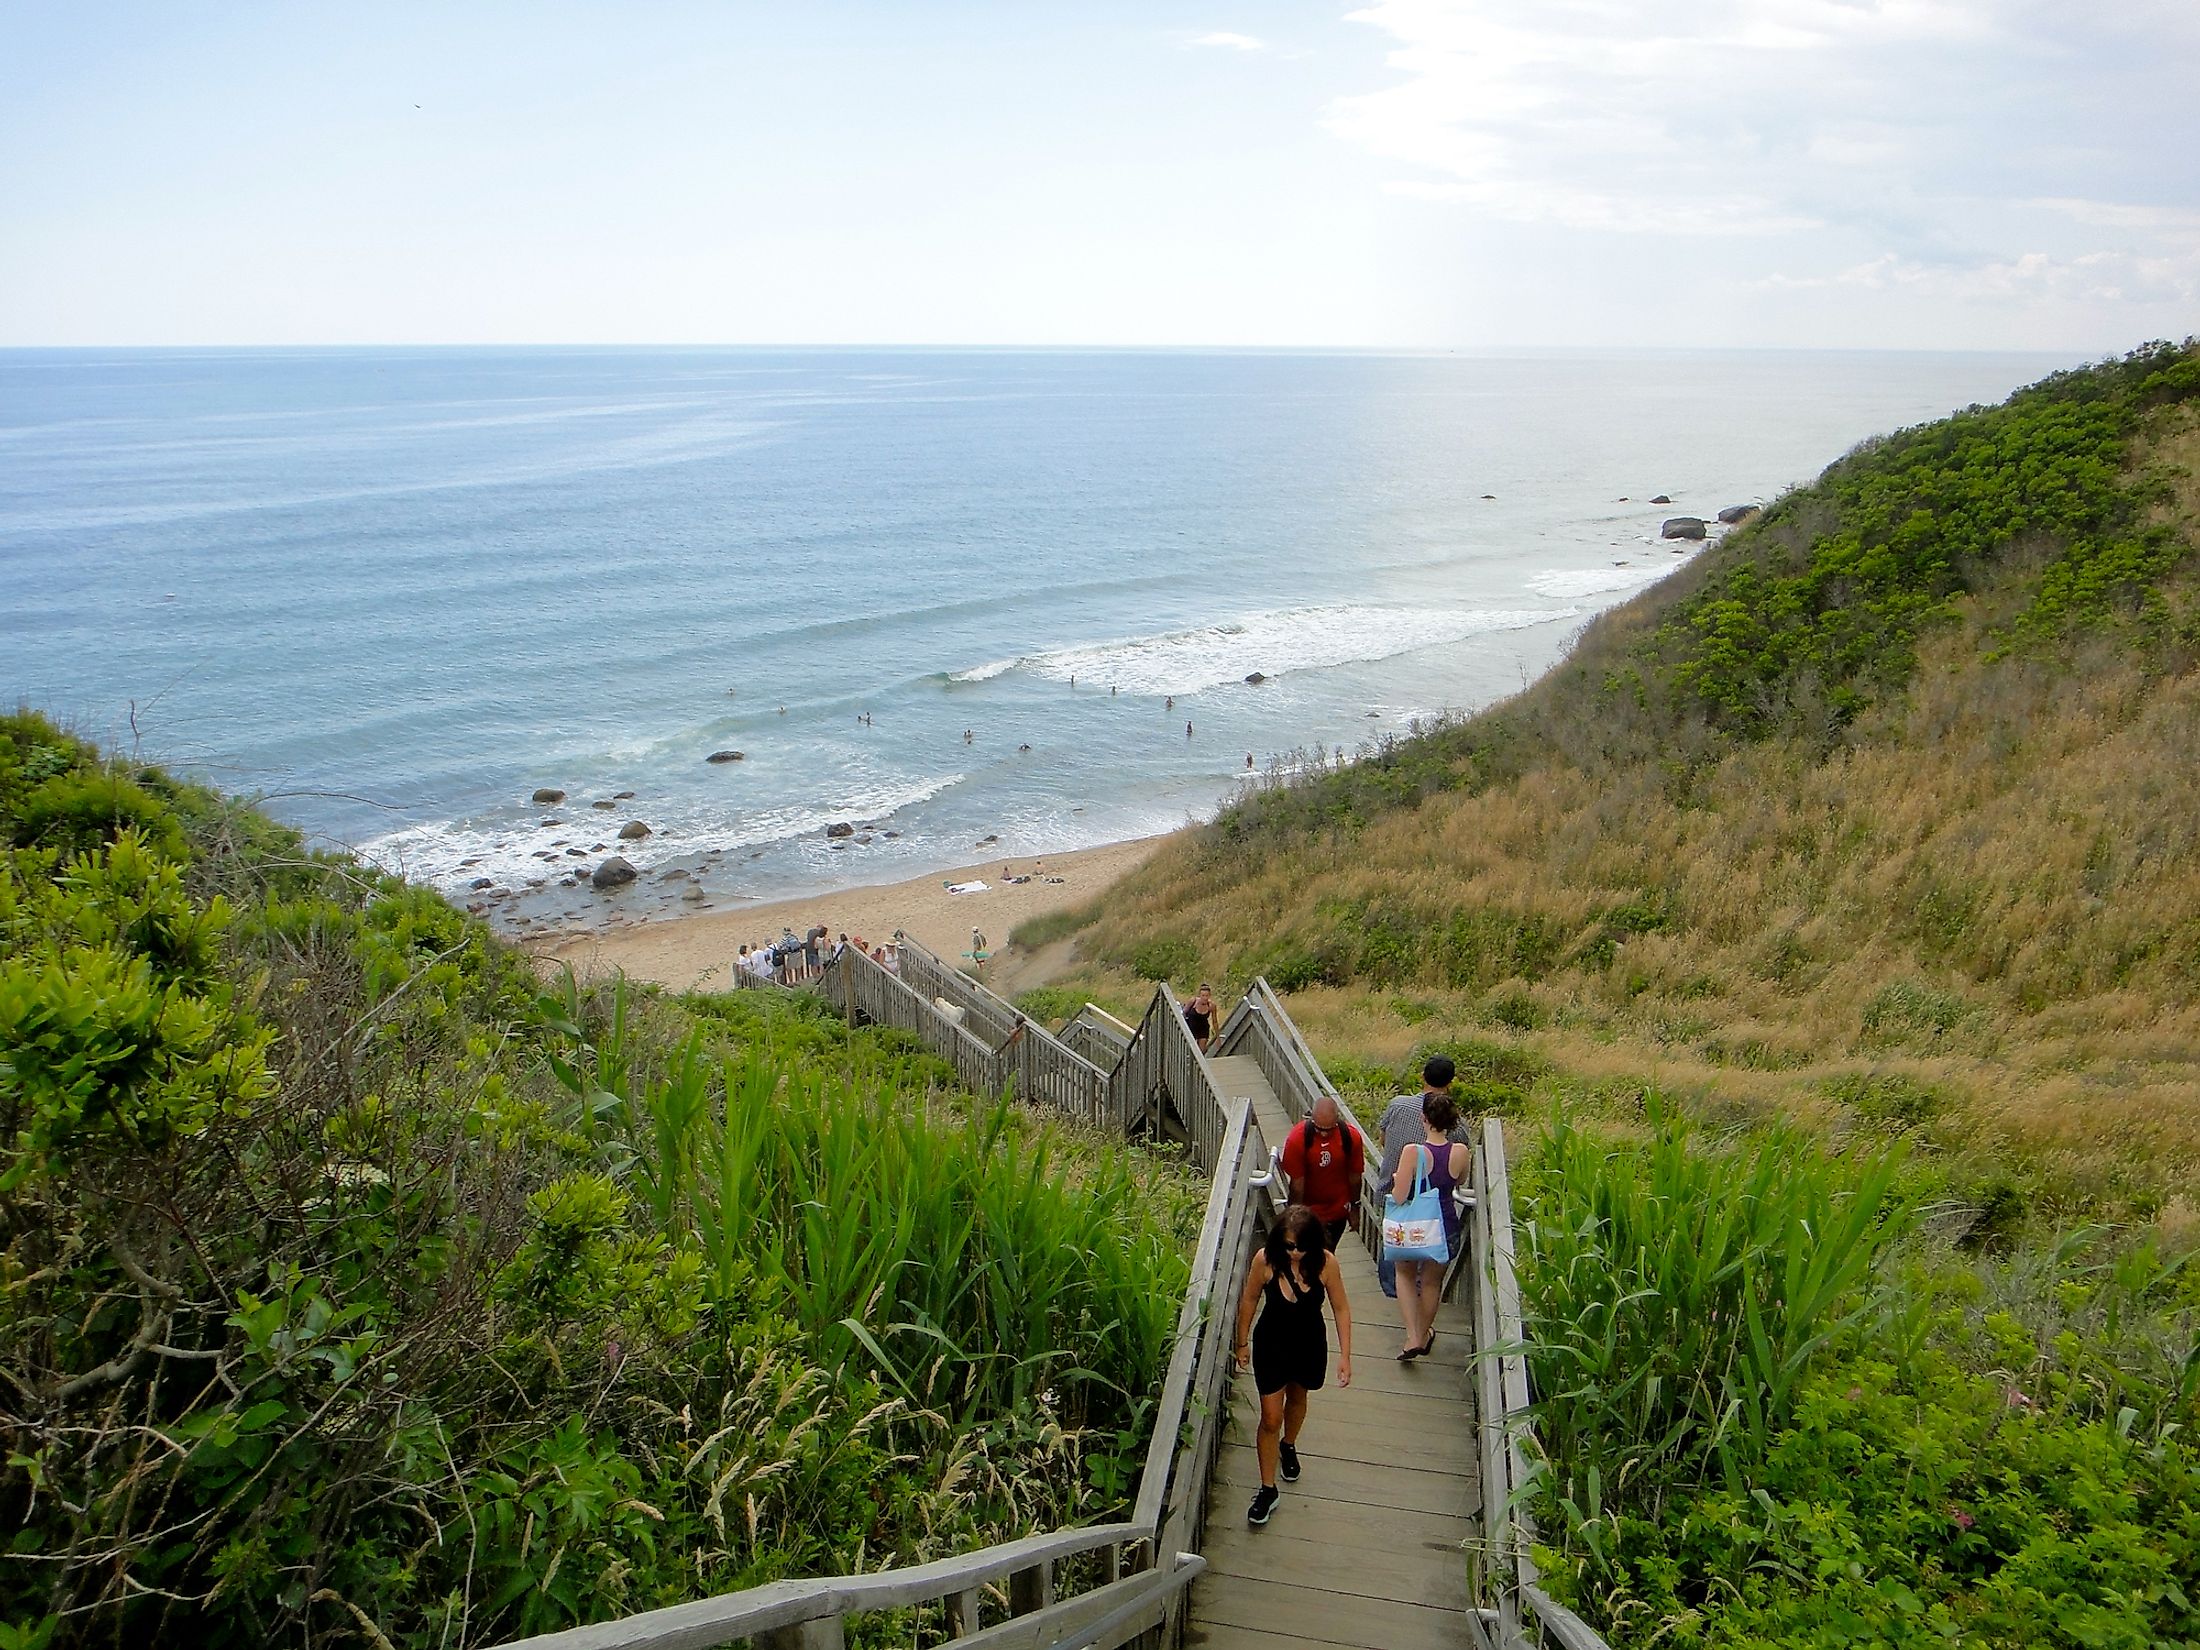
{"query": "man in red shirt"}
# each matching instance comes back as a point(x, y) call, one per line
point(1323, 1159)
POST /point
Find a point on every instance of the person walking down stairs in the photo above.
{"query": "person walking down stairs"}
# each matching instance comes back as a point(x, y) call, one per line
point(1288, 1348)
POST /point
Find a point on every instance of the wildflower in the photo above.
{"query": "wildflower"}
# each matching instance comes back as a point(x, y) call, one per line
point(1959, 1518)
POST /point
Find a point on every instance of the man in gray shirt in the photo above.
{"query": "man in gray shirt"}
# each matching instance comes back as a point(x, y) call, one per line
point(1402, 1127)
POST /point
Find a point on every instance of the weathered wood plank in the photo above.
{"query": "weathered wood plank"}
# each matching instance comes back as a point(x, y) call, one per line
point(1326, 1617)
point(1410, 1494)
point(1296, 1546)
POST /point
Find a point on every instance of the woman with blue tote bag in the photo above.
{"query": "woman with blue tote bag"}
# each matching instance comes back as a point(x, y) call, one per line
point(1421, 1223)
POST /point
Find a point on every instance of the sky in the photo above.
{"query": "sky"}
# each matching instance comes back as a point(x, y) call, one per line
point(1899, 174)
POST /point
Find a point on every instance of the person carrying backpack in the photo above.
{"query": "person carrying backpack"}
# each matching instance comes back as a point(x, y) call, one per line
point(1324, 1158)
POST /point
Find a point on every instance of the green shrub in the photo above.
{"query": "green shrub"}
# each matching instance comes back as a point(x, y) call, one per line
point(1165, 957)
point(1912, 1007)
point(1050, 1004)
point(1034, 932)
point(1889, 1099)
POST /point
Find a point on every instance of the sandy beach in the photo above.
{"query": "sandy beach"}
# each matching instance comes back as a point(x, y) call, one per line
point(684, 952)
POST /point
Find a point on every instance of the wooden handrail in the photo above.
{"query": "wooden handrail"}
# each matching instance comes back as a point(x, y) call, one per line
point(1522, 1612)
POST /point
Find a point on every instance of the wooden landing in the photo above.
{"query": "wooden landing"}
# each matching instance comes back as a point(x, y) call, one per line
point(1367, 1549)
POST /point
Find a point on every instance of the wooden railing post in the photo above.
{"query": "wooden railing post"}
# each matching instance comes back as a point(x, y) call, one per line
point(818, 1633)
point(962, 1612)
point(1032, 1589)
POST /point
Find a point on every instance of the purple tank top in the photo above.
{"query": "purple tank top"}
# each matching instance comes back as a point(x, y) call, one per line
point(1441, 1177)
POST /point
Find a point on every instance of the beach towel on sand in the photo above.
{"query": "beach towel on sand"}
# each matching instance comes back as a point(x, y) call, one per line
point(964, 887)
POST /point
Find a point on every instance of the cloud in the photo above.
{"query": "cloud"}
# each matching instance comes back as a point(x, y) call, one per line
point(2098, 277)
point(1991, 148)
point(1231, 42)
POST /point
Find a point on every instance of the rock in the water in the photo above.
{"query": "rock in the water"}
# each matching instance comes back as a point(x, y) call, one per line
point(1682, 527)
point(673, 875)
point(603, 804)
point(614, 872)
point(840, 828)
point(1489, 495)
point(1256, 678)
point(622, 796)
point(726, 756)
point(633, 831)
point(1661, 499)
point(550, 795)
point(576, 853)
point(548, 823)
point(483, 882)
point(987, 841)
point(1734, 514)
point(694, 896)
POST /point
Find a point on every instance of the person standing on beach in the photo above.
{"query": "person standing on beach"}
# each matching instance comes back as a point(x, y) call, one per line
point(1288, 1349)
point(1324, 1158)
point(1200, 1016)
point(1403, 1126)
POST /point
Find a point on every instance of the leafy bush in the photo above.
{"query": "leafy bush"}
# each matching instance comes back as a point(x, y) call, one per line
point(1771, 1413)
point(1165, 957)
point(357, 1286)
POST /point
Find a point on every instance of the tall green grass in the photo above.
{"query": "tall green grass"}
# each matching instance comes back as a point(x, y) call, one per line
point(952, 1246)
point(1675, 1297)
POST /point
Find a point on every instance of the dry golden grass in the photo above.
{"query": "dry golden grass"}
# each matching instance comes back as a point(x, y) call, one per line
point(1990, 892)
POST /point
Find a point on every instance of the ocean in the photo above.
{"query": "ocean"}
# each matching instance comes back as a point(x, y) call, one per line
point(972, 604)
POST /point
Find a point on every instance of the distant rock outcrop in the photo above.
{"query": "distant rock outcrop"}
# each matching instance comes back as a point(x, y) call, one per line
point(614, 872)
point(1256, 678)
point(1735, 514)
point(1661, 499)
point(549, 795)
point(1683, 527)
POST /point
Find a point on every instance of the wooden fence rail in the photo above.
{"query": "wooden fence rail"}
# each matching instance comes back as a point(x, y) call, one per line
point(1158, 1075)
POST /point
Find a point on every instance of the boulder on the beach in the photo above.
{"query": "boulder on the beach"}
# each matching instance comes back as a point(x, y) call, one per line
point(604, 803)
point(1735, 514)
point(1256, 678)
point(987, 841)
point(549, 794)
point(694, 896)
point(840, 828)
point(1661, 499)
point(549, 824)
point(614, 872)
point(622, 796)
point(727, 756)
point(483, 882)
point(1682, 527)
point(633, 831)
point(673, 875)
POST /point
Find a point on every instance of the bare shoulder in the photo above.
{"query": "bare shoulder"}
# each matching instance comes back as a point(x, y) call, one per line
point(1332, 1273)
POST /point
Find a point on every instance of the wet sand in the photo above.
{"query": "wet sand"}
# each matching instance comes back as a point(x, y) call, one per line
point(691, 951)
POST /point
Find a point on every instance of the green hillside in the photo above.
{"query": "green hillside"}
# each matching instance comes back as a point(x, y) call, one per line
point(1882, 808)
point(1828, 922)
point(356, 1289)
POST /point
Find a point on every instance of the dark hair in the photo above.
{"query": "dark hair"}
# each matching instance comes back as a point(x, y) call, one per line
point(1441, 1110)
point(1437, 1074)
point(1300, 1225)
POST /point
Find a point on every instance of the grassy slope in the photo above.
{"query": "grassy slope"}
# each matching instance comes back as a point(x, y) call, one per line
point(352, 1288)
point(1884, 812)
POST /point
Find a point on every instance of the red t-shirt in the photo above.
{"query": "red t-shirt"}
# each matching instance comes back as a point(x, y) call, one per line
point(1324, 1166)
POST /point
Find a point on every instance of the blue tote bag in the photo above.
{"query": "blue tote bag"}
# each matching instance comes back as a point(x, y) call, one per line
point(1414, 1229)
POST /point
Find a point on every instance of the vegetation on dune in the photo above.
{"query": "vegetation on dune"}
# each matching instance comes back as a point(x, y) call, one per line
point(1838, 900)
point(1892, 789)
point(1780, 1404)
point(351, 1285)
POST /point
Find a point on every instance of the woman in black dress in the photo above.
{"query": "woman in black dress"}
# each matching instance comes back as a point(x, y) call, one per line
point(1288, 1349)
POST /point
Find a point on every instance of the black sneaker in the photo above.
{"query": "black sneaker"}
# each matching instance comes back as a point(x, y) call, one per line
point(1290, 1464)
point(1263, 1504)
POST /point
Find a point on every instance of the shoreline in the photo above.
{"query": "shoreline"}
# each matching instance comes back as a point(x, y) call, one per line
point(684, 952)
